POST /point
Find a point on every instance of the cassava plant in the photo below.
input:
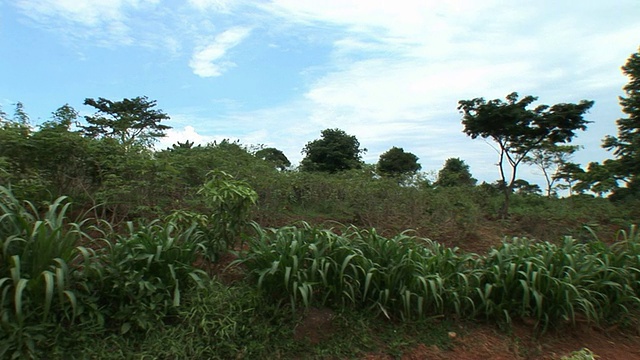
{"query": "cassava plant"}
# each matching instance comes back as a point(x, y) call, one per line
point(231, 202)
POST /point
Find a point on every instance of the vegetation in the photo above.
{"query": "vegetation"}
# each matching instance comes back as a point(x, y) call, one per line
point(220, 250)
point(409, 277)
point(626, 146)
point(455, 173)
point(335, 151)
point(397, 162)
point(129, 121)
point(518, 130)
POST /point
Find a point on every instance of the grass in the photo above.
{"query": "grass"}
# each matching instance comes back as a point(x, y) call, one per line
point(411, 278)
point(136, 293)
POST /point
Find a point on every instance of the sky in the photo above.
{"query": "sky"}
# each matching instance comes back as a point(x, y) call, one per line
point(276, 73)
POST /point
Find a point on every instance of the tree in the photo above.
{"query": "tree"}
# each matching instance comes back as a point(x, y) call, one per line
point(550, 160)
point(571, 173)
point(626, 146)
point(3, 115)
point(130, 121)
point(518, 130)
point(335, 151)
point(455, 173)
point(523, 187)
point(19, 115)
point(274, 156)
point(397, 162)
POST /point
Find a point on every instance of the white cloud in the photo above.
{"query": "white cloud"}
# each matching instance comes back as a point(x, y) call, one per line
point(205, 61)
point(223, 6)
point(102, 19)
point(187, 133)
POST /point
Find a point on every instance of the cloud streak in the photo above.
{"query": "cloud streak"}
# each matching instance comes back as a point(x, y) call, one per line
point(209, 60)
point(105, 20)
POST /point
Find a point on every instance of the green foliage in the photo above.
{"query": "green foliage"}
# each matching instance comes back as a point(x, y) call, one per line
point(141, 276)
point(551, 160)
point(518, 130)
point(626, 146)
point(396, 162)
point(130, 121)
point(402, 276)
point(61, 156)
point(39, 274)
point(335, 151)
point(455, 173)
point(413, 278)
point(582, 354)
point(231, 202)
point(275, 157)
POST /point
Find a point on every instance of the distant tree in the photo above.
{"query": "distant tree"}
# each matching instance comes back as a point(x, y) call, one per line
point(599, 178)
point(523, 187)
point(19, 115)
point(61, 154)
point(455, 173)
point(15, 147)
point(518, 130)
point(130, 121)
point(626, 146)
point(185, 145)
point(3, 115)
point(274, 156)
point(550, 160)
point(397, 162)
point(335, 151)
point(572, 174)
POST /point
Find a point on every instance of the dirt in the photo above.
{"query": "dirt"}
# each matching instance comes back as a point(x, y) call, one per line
point(316, 326)
point(485, 342)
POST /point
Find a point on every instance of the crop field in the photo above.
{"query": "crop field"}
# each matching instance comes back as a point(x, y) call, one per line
point(84, 288)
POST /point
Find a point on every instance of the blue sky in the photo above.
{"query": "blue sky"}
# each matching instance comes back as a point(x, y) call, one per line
point(279, 72)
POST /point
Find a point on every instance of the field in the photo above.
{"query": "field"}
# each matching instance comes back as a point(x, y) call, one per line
point(235, 283)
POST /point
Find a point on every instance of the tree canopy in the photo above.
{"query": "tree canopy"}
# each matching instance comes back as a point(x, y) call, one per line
point(455, 173)
point(397, 162)
point(334, 151)
point(626, 146)
point(275, 157)
point(130, 121)
point(518, 130)
point(551, 160)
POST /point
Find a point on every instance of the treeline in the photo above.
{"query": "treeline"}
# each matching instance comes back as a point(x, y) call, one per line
point(114, 172)
point(107, 163)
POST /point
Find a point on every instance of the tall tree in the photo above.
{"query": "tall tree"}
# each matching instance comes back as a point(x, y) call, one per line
point(335, 151)
point(518, 130)
point(455, 173)
point(550, 160)
point(130, 121)
point(626, 146)
point(397, 162)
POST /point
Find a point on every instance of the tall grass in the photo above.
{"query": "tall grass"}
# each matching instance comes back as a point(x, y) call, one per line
point(38, 278)
point(404, 275)
point(140, 275)
point(54, 276)
point(414, 278)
